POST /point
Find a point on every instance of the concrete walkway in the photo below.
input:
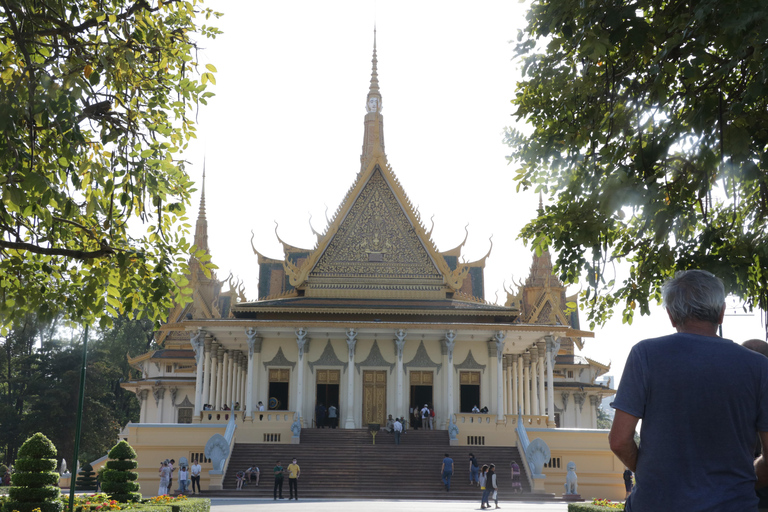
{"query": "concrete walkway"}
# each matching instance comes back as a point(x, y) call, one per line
point(317, 505)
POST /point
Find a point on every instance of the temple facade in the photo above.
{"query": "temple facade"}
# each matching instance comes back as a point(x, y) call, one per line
point(374, 320)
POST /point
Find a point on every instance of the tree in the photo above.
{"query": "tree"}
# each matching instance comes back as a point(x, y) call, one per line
point(604, 420)
point(34, 484)
point(649, 129)
point(119, 477)
point(96, 102)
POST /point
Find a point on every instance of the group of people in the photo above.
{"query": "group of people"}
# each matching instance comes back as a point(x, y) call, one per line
point(294, 471)
point(186, 474)
point(485, 477)
point(423, 417)
point(247, 476)
point(477, 410)
point(326, 416)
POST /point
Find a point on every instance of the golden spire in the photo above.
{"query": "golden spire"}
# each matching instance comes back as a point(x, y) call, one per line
point(201, 228)
point(374, 121)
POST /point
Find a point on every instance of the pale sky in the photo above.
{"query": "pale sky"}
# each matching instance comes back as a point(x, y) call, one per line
point(282, 138)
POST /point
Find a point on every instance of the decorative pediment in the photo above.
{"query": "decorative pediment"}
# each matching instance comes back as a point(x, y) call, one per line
point(469, 363)
point(374, 359)
point(376, 240)
point(185, 402)
point(327, 358)
point(279, 360)
point(422, 360)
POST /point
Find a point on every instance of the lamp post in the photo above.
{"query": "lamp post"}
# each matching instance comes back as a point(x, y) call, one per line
point(79, 419)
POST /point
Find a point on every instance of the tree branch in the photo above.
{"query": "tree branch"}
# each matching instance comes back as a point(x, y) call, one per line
point(69, 253)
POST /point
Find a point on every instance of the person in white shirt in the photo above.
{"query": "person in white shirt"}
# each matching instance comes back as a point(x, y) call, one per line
point(195, 471)
point(183, 476)
point(397, 427)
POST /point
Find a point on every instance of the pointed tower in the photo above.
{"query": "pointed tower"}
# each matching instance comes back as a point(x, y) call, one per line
point(374, 121)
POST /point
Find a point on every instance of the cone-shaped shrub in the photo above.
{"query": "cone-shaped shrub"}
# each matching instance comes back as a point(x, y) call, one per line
point(33, 485)
point(86, 480)
point(118, 479)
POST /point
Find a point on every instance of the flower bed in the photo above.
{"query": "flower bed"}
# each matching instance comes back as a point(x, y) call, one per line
point(597, 505)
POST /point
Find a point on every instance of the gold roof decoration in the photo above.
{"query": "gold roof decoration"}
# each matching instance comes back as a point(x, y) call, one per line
point(456, 251)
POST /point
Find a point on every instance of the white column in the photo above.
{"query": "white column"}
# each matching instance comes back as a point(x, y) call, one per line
point(301, 341)
point(499, 338)
point(534, 384)
point(593, 403)
point(399, 347)
point(143, 394)
point(450, 343)
point(515, 385)
point(520, 385)
point(198, 345)
point(250, 335)
point(542, 346)
point(241, 382)
point(214, 375)
point(219, 377)
point(351, 341)
point(159, 399)
point(207, 371)
point(225, 378)
point(232, 378)
point(552, 348)
point(510, 394)
point(527, 383)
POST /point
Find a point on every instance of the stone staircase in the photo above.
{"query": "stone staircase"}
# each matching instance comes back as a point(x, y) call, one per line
point(345, 464)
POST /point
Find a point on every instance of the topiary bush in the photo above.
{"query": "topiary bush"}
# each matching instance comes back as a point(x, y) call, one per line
point(86, 480)
point(118, 480)
point(34, 483)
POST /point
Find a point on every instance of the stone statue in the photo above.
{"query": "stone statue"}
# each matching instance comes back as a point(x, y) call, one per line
point(217, 449)
point(296, 427)
point(453, 431)
point(571, 487)
point(537, 454)
point(64, 473)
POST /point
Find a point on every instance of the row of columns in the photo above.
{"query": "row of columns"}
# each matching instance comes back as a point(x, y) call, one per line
point(526, 390)
point(224, 377)
point(221, 374)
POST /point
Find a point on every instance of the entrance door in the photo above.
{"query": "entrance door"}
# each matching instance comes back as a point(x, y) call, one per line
point(278, 388)
point(421, 388)
point(327, 389)
point(374, 397)
point(469, 391)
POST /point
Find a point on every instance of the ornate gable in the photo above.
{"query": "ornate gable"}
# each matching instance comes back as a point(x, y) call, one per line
point(375, 245)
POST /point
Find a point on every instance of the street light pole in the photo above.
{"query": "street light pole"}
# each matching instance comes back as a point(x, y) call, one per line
point(79, 420)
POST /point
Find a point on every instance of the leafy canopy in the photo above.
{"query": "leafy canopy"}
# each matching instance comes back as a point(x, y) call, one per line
point(96, 102)
point(649, 129)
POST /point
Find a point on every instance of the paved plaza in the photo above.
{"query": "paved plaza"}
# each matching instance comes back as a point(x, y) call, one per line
point(317, 505)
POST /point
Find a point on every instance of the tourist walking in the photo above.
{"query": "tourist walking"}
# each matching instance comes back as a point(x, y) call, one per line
point(492, 482)
point(333, 418)
point(474, 470)
point(320, 413)
point(195, 471)
point(293, 479)
point(484, 487)
point(446, 471)
point(425, 417)
point(517, 485)
point(279, 472)
point(397, 427)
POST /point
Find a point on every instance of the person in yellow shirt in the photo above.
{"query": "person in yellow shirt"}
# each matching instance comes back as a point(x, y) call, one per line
point(293, 477)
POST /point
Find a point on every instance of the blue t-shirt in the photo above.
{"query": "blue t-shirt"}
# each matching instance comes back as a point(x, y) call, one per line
point(702, 401)
point(448, 468)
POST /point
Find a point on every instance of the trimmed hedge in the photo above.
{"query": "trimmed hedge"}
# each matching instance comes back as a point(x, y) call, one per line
point(119, 480)
point(86, 480)
point(122, 465)
point(35, 465)
point(35, 487)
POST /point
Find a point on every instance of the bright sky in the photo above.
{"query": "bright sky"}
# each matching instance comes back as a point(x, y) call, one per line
point(282, 138)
